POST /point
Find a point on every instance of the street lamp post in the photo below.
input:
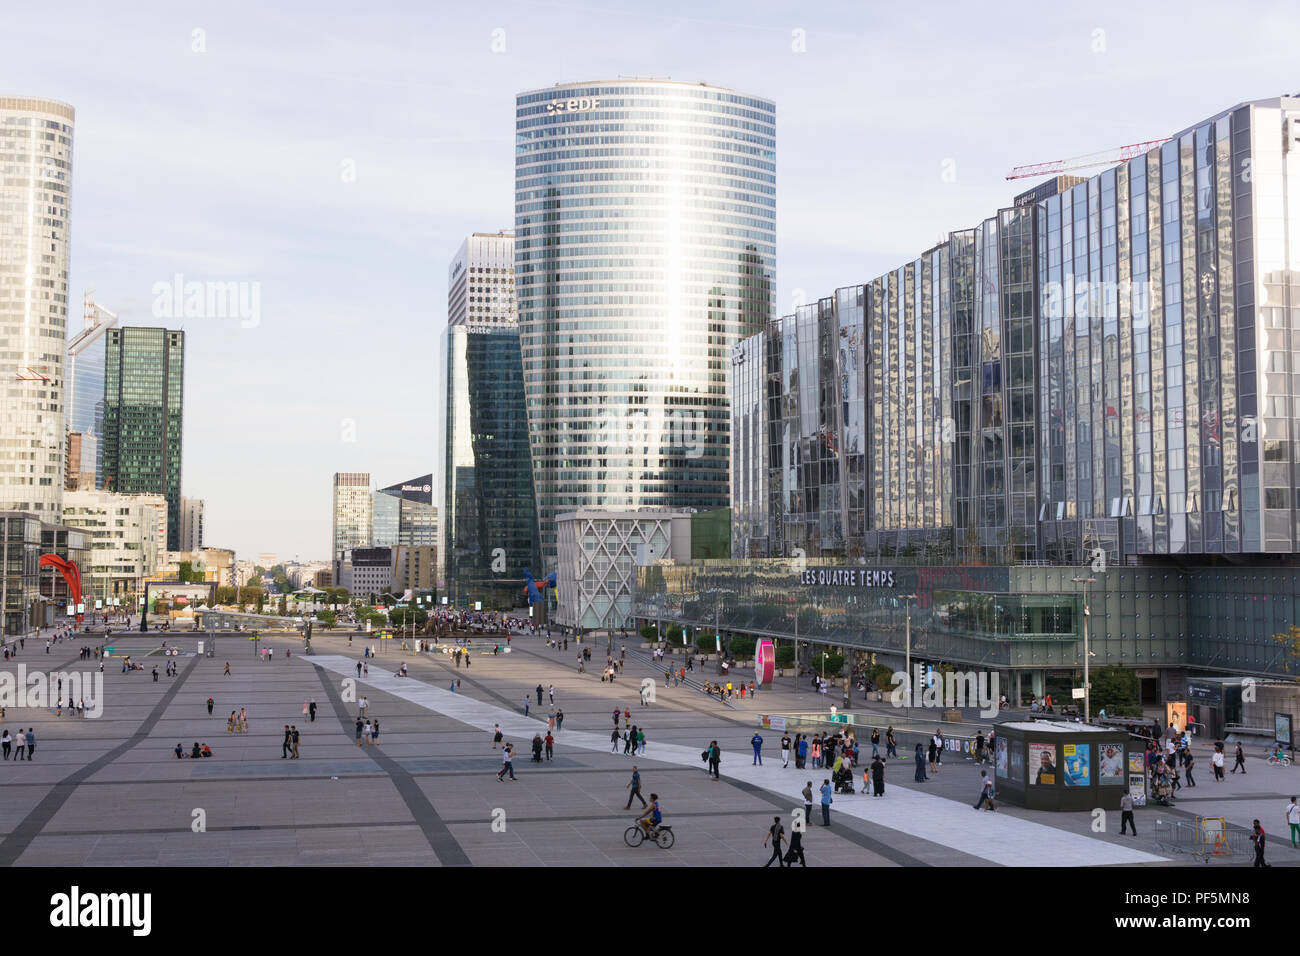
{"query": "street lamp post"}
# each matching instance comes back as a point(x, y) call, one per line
point(1087, 686)
point(907, 637)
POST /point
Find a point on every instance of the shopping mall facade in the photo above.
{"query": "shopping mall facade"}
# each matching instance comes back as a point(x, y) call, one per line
point(1090, 397)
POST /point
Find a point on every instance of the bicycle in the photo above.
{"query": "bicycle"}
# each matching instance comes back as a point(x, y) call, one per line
point(662, 835)
point(1275, 760)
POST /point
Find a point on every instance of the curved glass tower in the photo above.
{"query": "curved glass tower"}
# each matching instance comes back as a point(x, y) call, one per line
point(645, 248)
point(35, 184)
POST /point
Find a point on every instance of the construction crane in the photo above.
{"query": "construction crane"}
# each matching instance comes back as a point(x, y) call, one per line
point(1107, 157)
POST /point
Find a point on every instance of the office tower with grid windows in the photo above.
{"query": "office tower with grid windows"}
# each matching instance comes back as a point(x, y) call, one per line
point(144, 390)
point(35, 190)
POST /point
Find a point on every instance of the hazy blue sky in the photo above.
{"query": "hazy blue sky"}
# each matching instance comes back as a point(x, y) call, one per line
point(227, 165)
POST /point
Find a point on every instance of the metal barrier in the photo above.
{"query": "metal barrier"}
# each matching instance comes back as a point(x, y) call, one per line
point(1208, 838)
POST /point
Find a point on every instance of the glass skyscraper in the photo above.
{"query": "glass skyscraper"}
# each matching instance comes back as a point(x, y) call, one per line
point(35, 190)
point(488, 516)
point(645, 248)
point(86, 380)
point(144, 388)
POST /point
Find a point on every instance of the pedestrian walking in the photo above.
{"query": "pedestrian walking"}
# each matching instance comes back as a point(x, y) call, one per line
point(756, 742)
point(714, 757)
point(634, 789)
point(1216, 761)
point(1292, 808)
point(550, 690)
point(614, 738)
point(30, 739)
point(288, 742)
point(211, 703)
point(559, 719)
point(776, 836)
point(1190, 762)
point(796, 848)
point(785, 751)
point(826, 803)
point(1241, 760)
point(920, 765)
point(1258, 838)
point(986, 791)
point(877, 777)
point(1126, 814)
point(294, 746)
point(526, 703)
point(311, 710)
point(374, 733)
point(507, 765)
point(227, 668)
point(6, 744)
point(20, 744)
point(361, 727)
point(496, 735)
point(807, 803)
point(640, 740)
point(550, 743)
point(539, 695)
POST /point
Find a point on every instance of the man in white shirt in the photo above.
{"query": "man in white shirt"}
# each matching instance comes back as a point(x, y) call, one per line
point(1217, 762)
point(1293, 818)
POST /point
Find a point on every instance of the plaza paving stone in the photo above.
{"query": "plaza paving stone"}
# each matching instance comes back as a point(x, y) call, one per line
point(109, 792)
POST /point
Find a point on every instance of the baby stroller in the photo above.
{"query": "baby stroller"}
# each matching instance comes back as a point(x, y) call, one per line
point(843, 780)
point(1162, 791)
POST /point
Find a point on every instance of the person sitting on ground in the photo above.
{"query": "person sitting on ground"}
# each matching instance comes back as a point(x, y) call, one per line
point(180, 752)
point(196, 752)
point(207, 751)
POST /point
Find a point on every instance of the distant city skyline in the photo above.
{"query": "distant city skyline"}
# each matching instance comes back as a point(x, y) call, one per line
point(330, 165)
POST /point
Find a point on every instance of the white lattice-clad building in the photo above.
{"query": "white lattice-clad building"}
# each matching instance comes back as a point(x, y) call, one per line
point(598, 553)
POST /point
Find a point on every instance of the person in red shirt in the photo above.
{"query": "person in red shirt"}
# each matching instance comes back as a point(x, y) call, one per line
point(550, 742)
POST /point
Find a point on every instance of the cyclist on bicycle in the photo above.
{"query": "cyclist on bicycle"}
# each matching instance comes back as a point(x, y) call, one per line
point(653, 818)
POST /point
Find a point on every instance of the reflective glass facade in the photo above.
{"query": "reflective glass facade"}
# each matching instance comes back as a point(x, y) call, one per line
point(645, 248)
point(1109, 367)
point(35, 189)
point(488, 516)
point(144, 386)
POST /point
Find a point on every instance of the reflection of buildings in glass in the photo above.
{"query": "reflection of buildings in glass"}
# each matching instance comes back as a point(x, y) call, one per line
point(489, 527)
point(649, 335)
point(1160, 373)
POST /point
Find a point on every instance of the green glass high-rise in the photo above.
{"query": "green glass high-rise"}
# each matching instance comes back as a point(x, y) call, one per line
point(144, 378)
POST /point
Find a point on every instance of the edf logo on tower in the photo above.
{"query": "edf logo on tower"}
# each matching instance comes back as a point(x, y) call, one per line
point(574, 105)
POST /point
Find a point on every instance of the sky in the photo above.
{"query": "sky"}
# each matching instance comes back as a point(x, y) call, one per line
point(331, 157)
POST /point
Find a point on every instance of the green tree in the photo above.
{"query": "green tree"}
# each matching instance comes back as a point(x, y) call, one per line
point(741, 648)
point(402, 616)
point(1115, 688)
point(834, 663)
point(706, 642)
point(674, 633)
point(259, 570)
point(1290, 641)
point(284, 605)
point(327, 618)
point(185, 572)
point(648, 632)
point(259, 598)
point(785, 657)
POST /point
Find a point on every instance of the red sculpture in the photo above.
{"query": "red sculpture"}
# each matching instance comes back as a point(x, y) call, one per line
point(71, 573)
